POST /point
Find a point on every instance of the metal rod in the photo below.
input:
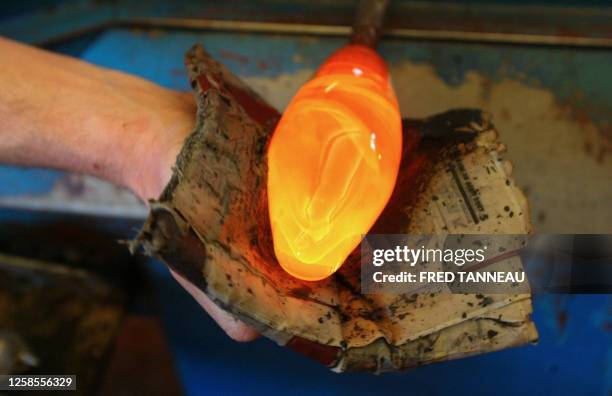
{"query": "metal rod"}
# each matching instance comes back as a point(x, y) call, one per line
point(343, 31)
point(368, 22)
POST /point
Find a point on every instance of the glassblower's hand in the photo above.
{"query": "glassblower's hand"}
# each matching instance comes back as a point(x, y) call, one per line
point(60, 112)
point(232, 326)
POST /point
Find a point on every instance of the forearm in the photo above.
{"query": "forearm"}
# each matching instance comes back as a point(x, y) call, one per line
point(63, 113)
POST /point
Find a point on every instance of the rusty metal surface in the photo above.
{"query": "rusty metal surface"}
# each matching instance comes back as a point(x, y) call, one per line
point(66, 317)
point(63, 294)
point(574, 23)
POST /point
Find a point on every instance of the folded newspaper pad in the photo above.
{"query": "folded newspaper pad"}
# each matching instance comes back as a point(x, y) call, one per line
point(211, 226)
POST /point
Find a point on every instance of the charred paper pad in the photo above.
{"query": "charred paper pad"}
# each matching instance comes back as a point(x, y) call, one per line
point(211, 226)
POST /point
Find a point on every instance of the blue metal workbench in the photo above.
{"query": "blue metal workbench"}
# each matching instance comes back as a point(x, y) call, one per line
point(574, 355)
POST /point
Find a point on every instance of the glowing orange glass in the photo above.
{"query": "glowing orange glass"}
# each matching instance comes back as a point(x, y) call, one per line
point(333, 161)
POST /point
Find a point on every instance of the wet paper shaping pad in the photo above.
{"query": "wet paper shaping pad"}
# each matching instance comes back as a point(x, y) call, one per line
point(211, 226)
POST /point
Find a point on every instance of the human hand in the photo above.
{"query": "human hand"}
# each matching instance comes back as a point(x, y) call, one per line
point(60, 112)
point(177, 122)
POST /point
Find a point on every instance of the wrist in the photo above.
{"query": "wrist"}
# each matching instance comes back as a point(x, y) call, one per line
point(156, 139)
point(62, 113)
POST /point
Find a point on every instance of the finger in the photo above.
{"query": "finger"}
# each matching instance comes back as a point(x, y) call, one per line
point(234, 328)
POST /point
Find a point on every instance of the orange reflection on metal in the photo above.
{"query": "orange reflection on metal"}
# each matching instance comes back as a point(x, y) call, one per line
point(333, 161)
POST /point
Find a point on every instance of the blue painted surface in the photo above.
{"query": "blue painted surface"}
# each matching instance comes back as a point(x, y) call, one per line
point(21, 181)
point(574, 355)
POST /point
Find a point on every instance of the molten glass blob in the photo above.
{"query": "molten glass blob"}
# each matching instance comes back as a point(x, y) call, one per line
point(333, 162)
